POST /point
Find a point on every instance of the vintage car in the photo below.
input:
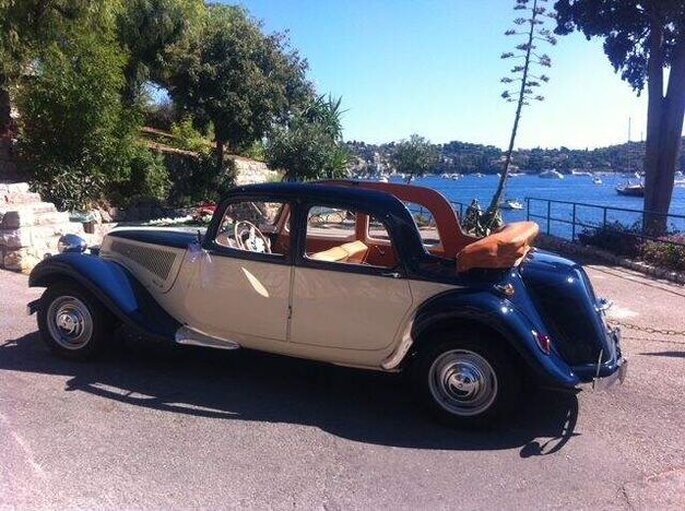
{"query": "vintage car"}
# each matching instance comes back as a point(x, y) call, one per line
point(369, 275)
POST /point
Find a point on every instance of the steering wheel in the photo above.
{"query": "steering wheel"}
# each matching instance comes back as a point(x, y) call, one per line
point(249, 237)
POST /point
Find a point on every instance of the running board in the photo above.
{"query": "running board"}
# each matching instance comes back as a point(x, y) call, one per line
point(189, 337)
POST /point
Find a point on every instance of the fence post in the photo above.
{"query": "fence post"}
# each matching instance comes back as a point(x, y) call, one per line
point(604, 221)
point(573, 226)
point(549, 214)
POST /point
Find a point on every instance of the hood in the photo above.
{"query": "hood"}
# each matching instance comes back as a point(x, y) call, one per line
point(176, 238)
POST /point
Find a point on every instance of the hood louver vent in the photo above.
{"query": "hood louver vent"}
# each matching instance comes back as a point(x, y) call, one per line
point(154, 260)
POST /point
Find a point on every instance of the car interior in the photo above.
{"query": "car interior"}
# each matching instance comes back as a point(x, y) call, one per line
point(333, 234)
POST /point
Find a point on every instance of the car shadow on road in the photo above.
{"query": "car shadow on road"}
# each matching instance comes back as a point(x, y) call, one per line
point(359, 405)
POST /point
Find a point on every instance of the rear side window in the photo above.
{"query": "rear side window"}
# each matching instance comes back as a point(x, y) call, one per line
point(425, 222)
point(348, 237)
point(328, 222)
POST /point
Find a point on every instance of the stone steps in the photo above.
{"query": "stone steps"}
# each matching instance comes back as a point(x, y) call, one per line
point(29, 228)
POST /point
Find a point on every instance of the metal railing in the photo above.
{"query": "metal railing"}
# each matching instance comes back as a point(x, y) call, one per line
point(580, 215)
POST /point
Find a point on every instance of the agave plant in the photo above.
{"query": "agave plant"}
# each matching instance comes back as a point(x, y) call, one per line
point(522, 85)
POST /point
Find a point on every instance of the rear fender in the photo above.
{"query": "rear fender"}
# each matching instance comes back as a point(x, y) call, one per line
point(488, 311)
point(113, 285)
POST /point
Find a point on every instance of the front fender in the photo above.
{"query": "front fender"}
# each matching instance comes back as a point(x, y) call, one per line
point(499, 314)
point(113, 285)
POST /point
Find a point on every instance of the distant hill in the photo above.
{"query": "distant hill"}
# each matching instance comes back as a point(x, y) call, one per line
point(466, 158)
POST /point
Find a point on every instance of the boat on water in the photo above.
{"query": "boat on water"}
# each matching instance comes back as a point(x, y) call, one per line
point(597, 180)
point(581, 173)
point(478, 174)
point(631, 190)
point(511, 204)
point(551, 174)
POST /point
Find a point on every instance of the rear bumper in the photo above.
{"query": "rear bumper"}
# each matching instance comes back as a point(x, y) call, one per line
point(611, 370)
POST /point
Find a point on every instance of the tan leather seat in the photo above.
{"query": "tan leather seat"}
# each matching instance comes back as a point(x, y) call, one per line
point(352, 252)
point(502, 249)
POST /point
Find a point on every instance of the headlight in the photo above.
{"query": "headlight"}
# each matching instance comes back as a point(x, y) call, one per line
point(71, 243)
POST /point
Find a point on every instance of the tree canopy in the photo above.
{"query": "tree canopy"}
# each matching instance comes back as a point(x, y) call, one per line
point(232, 74)
point(309, 145)
point(414, 157)
point(148, 29)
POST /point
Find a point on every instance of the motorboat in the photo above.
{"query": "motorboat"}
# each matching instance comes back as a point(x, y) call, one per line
point(511, 204)
point(631, 190)
point(551, 174)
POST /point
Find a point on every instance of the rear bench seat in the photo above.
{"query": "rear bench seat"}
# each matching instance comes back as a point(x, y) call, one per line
point(352, 252)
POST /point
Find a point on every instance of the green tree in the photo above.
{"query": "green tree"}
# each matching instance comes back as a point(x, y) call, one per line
point(148, 29)
point(310, 145)
point(642, 39)
point(26, 26)
point(414, 157)
point(232, 74)
point(75, 135)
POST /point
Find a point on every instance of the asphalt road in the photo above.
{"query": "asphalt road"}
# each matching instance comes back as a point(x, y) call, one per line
point(150, 427)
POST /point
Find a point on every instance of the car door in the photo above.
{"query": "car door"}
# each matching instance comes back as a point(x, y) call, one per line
point(341, 302)
point(241, 292)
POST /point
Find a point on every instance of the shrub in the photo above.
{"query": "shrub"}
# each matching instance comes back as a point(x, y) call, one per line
point(666, 255)
point(627, 241)
point(187, 137)
point(615, 238)
point(146, 179)
point(196, 180)
point(70, 186)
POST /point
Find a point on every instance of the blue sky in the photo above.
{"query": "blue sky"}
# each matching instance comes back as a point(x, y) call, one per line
point(432, 67)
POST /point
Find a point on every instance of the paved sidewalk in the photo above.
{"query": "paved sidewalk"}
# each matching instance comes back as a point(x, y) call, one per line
point(156, 428)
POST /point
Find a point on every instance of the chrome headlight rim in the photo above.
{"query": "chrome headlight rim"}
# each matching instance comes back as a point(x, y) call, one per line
point(71, 243)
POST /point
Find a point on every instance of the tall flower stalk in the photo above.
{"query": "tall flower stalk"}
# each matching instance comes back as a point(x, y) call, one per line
point(532, 28)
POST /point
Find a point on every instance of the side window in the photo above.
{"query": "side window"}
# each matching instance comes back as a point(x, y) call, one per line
point(334, 223)
point(425, 223)
point(348, 237)
point(255, 226)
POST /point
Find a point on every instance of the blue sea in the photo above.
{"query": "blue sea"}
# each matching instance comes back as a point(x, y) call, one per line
point(579, 189)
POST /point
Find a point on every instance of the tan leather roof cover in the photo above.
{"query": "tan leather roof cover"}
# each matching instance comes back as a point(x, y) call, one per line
point(503, 249)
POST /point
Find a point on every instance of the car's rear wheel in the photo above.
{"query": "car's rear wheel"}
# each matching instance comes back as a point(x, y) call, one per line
point(468, 382)
point(72, 322)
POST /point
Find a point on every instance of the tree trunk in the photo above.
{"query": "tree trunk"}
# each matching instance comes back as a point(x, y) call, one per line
point(220, 155)
point(662, 149)
point(5, 105)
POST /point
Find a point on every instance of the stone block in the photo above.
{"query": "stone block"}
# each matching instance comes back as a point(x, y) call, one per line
point(14, 187)
point(20, 260)
point(40, 236)
point(16, 198)
point(26, 217)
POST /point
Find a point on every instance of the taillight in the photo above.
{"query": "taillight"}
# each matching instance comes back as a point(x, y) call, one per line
point(544, 342)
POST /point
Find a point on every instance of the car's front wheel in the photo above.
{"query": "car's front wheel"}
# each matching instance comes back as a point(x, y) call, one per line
point(468, 382)
point(72, 322)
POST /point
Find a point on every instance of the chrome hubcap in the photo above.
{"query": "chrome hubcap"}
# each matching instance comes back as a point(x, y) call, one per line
point(463, 382)
point(69, 322)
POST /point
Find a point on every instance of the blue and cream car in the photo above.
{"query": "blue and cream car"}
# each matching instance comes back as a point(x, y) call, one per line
point(370, 275)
